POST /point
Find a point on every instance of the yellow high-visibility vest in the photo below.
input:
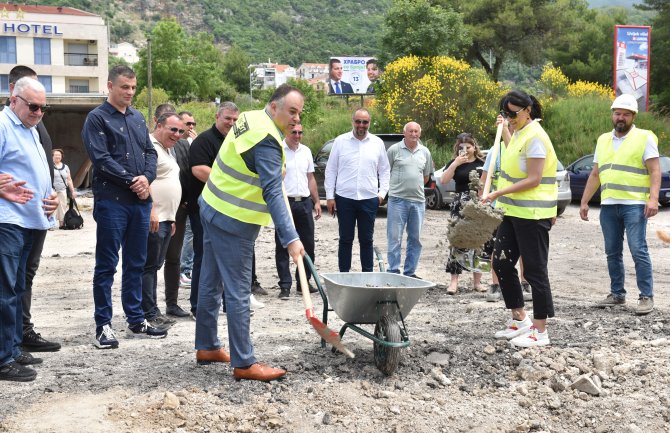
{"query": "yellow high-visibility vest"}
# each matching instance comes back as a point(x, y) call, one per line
point(536, 203)
point(623, 174)
point(232, 188)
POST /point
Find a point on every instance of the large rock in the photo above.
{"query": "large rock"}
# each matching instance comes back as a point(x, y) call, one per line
point(585, 383)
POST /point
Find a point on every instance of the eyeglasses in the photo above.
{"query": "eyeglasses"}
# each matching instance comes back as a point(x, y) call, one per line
point(511, 114)
point(361, 122)
point(174, 130)
point(296, 132)
point(33, 107)
point(463, 136)
point(191, 124)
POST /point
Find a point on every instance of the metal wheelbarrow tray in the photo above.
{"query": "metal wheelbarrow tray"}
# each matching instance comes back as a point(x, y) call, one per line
point(379, 298)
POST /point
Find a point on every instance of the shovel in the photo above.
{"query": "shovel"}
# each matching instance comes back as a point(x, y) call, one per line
point(328, 335)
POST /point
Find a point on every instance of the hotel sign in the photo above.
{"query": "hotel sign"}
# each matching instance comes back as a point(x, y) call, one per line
point(24, 28)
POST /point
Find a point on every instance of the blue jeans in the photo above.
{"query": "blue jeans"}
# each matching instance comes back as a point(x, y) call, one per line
point(15, 244)
point(401, 213)
point(157, 245)
point(350, 213)
point(187, 249)
point(615, 219)
point(119, 225)
point(227, 257)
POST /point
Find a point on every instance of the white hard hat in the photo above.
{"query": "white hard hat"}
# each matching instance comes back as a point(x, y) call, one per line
point(626, 102)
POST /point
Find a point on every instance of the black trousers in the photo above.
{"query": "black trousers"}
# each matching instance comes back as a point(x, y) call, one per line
point(32, 265)
point(304, 225)
point(530, 239)
point(171, 270)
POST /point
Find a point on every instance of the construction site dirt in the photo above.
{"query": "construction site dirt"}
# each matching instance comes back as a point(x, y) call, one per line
point(606, 370)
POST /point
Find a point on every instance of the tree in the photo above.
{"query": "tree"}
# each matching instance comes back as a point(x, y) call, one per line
point(660, 62)
point(501, 29)
point(586, 54)
point(186, 67)
point(416, 27)
point(236, 68)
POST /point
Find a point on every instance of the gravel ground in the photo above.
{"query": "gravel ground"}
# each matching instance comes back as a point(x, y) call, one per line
point(606, 370)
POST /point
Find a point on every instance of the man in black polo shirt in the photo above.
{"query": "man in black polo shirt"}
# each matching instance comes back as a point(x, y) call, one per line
point(202, 154)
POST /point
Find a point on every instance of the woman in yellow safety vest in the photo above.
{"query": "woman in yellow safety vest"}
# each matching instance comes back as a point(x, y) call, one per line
point(527, 193)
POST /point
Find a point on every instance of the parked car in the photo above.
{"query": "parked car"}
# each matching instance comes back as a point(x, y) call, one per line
point(439, 195)
point(580, 170)
point(321, 159)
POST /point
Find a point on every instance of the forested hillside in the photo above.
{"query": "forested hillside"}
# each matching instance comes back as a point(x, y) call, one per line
point(286, 31)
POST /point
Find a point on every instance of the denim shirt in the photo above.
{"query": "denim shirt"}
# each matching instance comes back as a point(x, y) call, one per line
point(22, 156)
point(119, 146)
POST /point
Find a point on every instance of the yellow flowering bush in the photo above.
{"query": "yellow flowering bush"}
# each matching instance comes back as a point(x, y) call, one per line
point(554, 81)
point(444, 95)
point(588, 88)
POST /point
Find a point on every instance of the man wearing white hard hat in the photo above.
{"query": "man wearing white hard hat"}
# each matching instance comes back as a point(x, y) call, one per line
point(626, 167)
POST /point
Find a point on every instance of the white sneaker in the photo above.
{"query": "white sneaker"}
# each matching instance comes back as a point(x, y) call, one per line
point(255, 303)
point(515, 328)
point(531, 339)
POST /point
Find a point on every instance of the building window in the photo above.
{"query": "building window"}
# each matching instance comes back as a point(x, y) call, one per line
point(78, 86)
point(42, 51)
point(4, 83)
point(7, 49)
point(46, 82)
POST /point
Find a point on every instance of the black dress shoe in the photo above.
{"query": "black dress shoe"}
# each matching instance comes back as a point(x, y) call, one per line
point(312, 289)
point(33, 342)
point(176, 311)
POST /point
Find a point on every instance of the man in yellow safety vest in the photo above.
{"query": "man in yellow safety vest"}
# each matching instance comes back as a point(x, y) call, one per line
point(626, 167)
point(243, 193)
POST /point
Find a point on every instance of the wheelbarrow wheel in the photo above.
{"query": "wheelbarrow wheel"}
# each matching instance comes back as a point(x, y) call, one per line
point(387, 358)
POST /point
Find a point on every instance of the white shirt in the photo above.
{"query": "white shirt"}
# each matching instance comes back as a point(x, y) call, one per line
point(298, 163)
point(357, 169)
point(166, 188)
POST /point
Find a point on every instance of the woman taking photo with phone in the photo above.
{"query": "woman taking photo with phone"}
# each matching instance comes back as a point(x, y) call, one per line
point(467, 157)
point(527, 192)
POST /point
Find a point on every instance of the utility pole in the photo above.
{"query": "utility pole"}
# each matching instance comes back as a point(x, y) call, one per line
point(149, 107)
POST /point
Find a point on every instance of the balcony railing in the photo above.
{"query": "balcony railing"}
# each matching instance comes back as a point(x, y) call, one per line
point(78, 59)
point(78, 89)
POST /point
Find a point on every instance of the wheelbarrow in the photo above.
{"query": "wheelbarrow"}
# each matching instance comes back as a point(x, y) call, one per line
point(373, 298)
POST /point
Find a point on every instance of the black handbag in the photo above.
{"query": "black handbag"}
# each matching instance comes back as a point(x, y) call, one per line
point(73, 219)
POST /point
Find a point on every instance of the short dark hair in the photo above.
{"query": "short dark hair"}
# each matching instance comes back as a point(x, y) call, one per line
point(62, 154)
point(19, 72)
point(164, 108)
point(119, 70)
point(188, 113)
point(165, 116)
point(371, 62)
point(282, 91)
point(333, 60)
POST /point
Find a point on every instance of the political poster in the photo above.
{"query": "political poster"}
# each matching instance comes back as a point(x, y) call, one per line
point(632, 46)
point(352, 75)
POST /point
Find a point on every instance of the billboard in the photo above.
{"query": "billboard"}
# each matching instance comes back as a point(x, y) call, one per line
point(352, 75)
point(632, 46)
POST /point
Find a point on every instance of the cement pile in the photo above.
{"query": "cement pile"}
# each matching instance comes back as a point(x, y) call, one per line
point(476, 227)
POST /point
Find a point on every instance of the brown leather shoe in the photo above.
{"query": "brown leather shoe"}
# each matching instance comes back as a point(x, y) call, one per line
point(258, 371)
point(205, 357)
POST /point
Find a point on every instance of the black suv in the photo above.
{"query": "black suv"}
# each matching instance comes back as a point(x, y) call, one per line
point(321, 158)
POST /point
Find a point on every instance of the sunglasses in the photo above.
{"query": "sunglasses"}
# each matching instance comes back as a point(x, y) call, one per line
point(511, 114)
point(361, 122)
point(296, 132)
point(180, 131)
point(463, 136)
point(33, 107)
point(191, 124)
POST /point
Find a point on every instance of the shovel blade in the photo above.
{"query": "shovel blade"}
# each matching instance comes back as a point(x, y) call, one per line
point(328, 335)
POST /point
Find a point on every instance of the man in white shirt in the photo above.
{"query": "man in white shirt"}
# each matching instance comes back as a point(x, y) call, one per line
point(357, 180)
point(303, 196)
point(166, 195)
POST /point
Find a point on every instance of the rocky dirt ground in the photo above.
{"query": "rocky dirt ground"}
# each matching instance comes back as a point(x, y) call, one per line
point(606, 371)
